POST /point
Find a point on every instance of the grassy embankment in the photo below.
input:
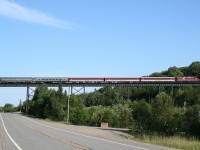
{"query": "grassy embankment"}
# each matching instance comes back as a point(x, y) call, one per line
point(173, 142)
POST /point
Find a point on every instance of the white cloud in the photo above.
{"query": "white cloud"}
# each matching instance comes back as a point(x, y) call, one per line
point(11, 9)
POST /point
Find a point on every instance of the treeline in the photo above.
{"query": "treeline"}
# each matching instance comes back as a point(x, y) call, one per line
point(9, 108)
point(192, 70)
point(145, 110)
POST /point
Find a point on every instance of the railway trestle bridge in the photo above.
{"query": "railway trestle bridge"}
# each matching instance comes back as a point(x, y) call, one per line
point(79, 87)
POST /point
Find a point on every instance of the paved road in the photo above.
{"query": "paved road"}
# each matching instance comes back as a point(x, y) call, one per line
point(22, 133)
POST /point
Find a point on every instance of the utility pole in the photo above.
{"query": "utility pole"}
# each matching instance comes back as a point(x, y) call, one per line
point(184, 107)
point(20, 106)
point(27, 99)
point(159, 89)
point(128, 92)
point(68, 105)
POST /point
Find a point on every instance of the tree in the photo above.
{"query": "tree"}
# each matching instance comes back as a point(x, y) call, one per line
point(78, 113)
point(9, 108)
point(52, 107)
point(122, 115)
point(107, 116)
point(177, 124)
point(140, 93)
point(40, 91)
point(156, 74)
point(57, 110)
point(162, 111)
point(1, 109)
point(60, 94)
point(179, 98)
point(174, 72)
point(93, 99)
point(96, 115)
point(192, 116)
point(108, 96)
point(46, 103)
point(142, 116)
point(194, 69)
point(20, 105)
point(190, 95)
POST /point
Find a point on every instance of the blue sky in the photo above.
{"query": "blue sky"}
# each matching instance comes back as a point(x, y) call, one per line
point(92, 38)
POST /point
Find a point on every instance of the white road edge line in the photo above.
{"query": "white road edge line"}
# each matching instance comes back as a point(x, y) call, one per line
point(9, 134)
point(100, 139)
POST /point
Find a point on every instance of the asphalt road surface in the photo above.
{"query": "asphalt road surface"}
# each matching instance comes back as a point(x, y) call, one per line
point(18, 132)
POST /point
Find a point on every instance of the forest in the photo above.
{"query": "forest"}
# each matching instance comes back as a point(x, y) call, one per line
point(144, 110)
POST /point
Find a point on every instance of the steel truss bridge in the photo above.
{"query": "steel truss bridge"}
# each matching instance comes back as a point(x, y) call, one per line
point(79, 87)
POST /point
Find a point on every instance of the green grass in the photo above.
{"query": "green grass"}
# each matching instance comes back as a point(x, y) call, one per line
point(173, 142)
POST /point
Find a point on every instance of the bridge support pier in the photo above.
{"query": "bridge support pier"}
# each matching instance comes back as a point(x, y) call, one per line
point(29, 94)
point(68, 95)
point(169, 90)
point(75, 90)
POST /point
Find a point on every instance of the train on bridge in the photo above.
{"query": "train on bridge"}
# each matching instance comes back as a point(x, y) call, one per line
point(95, 79)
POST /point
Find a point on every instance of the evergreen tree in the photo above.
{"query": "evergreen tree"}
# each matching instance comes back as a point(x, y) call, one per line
point(60, 90)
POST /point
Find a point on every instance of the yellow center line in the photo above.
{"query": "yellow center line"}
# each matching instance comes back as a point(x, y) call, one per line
point(55, 138)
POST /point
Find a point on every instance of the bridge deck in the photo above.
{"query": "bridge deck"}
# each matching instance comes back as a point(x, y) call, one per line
point(103, 84)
